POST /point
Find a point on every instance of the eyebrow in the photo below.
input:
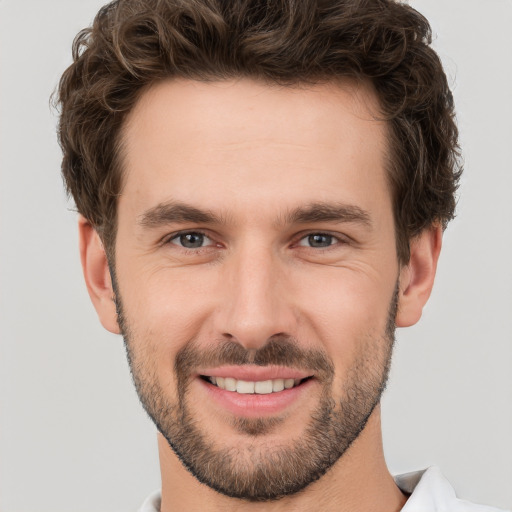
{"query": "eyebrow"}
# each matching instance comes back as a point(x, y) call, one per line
point(328, 212)
point(167, 213)
point(172, 212)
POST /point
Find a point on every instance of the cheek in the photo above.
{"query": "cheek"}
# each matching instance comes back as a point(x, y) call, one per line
point(164, 312)
point(351, 324)
point(346, 310)
point(165, 297)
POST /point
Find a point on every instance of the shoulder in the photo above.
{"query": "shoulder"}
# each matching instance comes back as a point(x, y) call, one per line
point(431, 492)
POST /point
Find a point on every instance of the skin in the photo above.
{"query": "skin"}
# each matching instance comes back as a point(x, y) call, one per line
point(251, 154)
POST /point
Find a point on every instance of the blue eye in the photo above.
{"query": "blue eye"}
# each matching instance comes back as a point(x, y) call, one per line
point(318, 240)
point(191, 240)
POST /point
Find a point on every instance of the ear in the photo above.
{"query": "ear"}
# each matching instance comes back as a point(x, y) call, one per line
point(417, 278)
point(97, 275)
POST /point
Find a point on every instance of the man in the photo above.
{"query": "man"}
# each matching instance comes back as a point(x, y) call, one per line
point(263, 188)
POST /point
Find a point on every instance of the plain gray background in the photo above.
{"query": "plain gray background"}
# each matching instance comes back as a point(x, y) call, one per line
point(72, 434)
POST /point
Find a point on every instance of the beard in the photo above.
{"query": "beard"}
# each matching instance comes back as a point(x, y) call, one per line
point(262, 471)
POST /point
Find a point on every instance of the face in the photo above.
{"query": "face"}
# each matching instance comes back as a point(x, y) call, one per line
point(256, 275)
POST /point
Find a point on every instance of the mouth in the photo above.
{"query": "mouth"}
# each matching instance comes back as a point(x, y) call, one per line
point(258, 387)
point(251, 391)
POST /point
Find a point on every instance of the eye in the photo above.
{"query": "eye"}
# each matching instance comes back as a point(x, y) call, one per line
point(191, 240)
point(318, 240)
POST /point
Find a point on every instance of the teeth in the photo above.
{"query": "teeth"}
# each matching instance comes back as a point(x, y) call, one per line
point(277, 385)
point(244, 387)
point(229, 384)
point(288, 383)
point(262, 387)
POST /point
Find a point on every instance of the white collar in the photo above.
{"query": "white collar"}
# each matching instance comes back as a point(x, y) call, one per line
point(431, 492)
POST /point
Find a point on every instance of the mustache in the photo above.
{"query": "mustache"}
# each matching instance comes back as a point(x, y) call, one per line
point(280, 350)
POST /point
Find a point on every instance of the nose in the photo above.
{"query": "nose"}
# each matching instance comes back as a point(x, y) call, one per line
point(255, 302)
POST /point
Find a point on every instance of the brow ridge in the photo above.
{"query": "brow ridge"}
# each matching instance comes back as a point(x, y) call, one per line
point(328, 212)
point(175, 211)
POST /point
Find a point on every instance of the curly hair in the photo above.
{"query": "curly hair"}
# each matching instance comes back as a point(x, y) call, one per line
point(134, 43)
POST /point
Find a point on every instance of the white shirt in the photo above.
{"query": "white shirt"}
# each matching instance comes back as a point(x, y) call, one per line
point(429, 490)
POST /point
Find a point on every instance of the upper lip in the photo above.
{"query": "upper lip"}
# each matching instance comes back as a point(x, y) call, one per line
point(254, 373)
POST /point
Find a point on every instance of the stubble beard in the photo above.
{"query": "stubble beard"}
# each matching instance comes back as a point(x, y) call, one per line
point(263, 472)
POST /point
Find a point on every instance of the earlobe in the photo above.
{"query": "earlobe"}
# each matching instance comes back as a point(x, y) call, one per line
point(97, 275)
point(417, 278)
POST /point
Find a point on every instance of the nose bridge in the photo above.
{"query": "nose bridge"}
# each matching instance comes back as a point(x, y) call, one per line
point(255, 306)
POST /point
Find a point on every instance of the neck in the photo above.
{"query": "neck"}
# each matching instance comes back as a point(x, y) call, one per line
point(358, 482)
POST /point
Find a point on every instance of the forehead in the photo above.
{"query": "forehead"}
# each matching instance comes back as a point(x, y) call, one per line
point(218, 143)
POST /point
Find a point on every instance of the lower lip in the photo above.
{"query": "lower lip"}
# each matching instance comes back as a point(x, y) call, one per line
point(254, 405)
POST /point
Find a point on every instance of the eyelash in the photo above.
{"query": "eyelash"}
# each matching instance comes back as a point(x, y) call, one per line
point(338, 240)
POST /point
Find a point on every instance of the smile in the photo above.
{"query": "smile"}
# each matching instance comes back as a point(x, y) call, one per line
point(260, 387)
point(255, 391)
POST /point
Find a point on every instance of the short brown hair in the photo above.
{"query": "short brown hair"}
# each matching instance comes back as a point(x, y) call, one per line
point(133, 43)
